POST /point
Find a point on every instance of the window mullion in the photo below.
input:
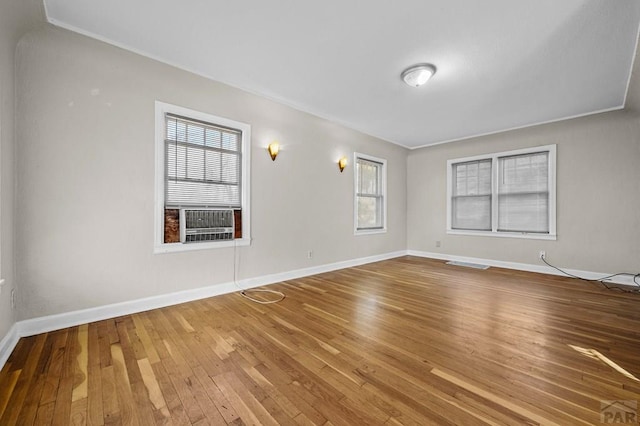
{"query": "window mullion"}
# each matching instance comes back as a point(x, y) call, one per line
point(495, 176)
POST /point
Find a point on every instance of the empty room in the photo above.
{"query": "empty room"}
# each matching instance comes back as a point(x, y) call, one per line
point(319, 213)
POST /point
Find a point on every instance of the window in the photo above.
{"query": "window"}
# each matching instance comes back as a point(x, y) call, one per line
point(202, 176)
point(370, 194)
point(471, 200)
point(523, 193)
point(203, 164)
point(505, 194)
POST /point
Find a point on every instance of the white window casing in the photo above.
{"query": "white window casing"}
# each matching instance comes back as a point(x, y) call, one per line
point(201, 161)
point(505, 194)
point(370, 194)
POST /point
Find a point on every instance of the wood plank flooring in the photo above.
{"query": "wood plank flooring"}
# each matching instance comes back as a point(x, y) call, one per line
point(406, 341)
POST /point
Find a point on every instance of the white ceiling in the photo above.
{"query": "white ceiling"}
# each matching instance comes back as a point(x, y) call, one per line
point(502, 64)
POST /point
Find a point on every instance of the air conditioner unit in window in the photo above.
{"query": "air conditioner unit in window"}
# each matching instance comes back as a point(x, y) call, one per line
point(198, 225)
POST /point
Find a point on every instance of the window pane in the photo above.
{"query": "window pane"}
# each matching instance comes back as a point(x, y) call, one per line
point(471, 203)
point(198, 172)
point(368, 177)
point(195, 134)
point(230, 168)
point(471, 212)
point(214, 166)
point(180, 129)
point(524, 212)
point(213, 138)
point(230, 141)
point(472, 178)
point(176, 130)
point(369, 212)
point(523, 193)
point(186, 193)
point(195, 163)
point(177, 161)
point(524, 173)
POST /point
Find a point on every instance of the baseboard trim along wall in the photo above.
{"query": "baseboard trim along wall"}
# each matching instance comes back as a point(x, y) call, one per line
point(48, 323)
point(542, 268)
point(8, 343)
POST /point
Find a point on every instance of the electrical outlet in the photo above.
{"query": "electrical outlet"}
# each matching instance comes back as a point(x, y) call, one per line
point(13, 298)
point(310, 254)
point(438, 243)
point(542, 254)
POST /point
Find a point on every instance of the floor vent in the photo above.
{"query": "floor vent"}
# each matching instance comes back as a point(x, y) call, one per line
point(468, 265)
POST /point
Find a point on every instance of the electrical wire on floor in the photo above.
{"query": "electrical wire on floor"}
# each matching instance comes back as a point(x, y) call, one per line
point(601, 279)
point(245, 292)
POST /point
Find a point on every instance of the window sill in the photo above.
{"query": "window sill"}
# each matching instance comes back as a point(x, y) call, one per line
point(180, 247)
point(525, 235)
point(370, 231)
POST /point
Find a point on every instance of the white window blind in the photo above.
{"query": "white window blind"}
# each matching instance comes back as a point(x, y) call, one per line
point(471, 195)
point(203, 164)
point(369, 194)
point(523, 193)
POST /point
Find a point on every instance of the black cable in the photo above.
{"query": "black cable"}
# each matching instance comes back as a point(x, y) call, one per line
point(243, 291)
point(601, 279)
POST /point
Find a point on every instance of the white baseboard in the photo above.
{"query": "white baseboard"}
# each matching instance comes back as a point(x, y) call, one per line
point(542, 268)
point(48, 323)
point(305, 272)
point(8, 343)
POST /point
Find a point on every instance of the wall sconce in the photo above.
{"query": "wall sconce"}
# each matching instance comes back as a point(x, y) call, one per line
point(342, 163)
point(273, 148)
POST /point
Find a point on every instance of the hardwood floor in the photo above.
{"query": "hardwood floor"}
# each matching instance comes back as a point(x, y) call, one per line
point(406, 341)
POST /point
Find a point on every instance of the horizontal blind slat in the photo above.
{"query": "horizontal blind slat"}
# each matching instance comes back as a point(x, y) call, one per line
point(203, 163)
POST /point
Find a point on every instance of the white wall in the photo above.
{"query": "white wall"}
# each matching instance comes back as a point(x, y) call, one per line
point(85, 183)
point(85, 170)
point(15, 18)
point(598, 208)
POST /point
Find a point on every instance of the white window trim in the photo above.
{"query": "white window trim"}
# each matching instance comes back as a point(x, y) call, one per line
point(160, 246)
point(552, 235)
point(382, 161)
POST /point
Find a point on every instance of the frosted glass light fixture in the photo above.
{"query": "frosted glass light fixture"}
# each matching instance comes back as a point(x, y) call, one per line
point(419, 74)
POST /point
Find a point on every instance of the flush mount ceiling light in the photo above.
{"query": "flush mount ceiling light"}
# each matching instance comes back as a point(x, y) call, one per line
point(417, 75)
